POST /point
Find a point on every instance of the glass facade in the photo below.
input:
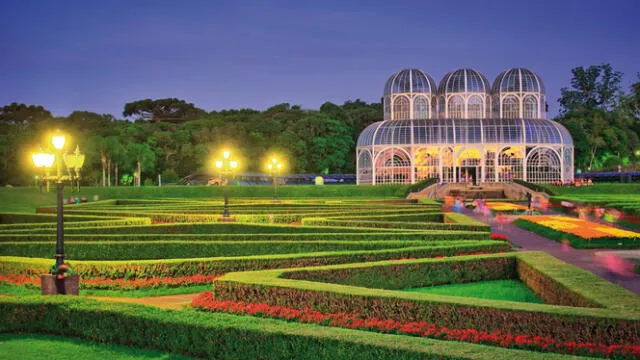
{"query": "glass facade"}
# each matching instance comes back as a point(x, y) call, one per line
point(464, 127)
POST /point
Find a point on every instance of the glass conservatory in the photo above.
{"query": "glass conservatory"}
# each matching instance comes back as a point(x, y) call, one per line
point(464, 131)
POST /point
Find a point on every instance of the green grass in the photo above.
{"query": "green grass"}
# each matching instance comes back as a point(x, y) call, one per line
point(17, 290)
point(36, 347)
point(25, 199)
point(509, 290)
point(598, 188)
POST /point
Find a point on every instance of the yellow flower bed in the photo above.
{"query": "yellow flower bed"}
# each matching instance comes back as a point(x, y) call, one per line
point(504, 206)
point(579, 227)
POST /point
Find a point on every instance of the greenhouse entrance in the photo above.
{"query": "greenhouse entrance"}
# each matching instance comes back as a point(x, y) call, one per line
point(469, 168)
point(469, 174)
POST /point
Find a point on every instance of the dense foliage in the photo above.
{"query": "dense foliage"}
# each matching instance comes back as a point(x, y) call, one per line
point(603, 120)
point(173, 138)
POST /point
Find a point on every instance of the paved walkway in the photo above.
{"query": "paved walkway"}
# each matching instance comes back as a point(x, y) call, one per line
point(166, 302)
point(583, 258)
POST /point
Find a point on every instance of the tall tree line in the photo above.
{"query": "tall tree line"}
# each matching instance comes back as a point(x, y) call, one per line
point(174, 138)
point(603, 119)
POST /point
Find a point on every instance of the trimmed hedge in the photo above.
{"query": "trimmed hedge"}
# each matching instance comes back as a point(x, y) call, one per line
point(220, 265)
point(223, 336)
point(213, 216)
point(618, 322)
point(470, 225)
point(420, 185)
point(216, 192)
point(20, 218)
point(339, 234)
point(51, 226)
point(419, 217)
point(141, 250)
point(577, 241)
point(535, 187)
point(401, 276)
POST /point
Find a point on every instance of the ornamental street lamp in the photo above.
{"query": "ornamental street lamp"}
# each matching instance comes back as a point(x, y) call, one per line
point(226, 167)
point(74, 163)
point(46, 161)
point(274, 168)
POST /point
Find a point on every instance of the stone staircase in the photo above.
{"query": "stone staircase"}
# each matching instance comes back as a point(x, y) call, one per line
point(470, 191)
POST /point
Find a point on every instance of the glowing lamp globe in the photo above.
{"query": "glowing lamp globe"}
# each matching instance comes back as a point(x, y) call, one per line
point(58, 141)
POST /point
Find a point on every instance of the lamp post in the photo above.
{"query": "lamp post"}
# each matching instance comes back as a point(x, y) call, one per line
point(46, 161)
point(274, 167)
point(226, 166)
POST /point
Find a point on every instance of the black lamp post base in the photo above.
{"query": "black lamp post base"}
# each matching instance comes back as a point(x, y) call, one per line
point(68, 285)
point(227, 219)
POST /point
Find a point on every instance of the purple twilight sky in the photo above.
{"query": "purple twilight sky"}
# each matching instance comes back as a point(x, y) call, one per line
point(98, 55)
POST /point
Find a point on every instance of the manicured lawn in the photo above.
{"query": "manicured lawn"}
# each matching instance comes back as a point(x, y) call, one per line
point(21, 199)
point(511, 290)
point(36, 347)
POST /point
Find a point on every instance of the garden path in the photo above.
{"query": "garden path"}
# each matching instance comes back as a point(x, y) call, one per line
point(583, 258)
point(175, 302)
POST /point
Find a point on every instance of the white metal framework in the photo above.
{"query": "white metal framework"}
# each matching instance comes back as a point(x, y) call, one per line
point(448, 133)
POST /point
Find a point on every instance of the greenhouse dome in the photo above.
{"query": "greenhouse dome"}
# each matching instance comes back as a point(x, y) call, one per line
point(409, 94)
point(408, 147)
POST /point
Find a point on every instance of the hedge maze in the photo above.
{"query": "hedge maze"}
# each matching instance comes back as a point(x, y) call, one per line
point(314, 278)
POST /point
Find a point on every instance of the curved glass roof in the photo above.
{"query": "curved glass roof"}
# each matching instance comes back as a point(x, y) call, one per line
point(518, 80)
point(410, 80)
point(463, 131)
point(463, 80)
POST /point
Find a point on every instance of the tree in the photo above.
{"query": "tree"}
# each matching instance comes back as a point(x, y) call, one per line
point(21, 114)
point(143, 158)
point(596, 87)
point(171, 110)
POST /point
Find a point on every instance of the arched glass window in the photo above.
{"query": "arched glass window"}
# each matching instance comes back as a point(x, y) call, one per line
point(495, 107)
point(530, 107)
point(427, 163)
point(447, 165)
point(543, 166)
point(456, 107)
point(365, 168)
point(393, 166)
point(441, 107)
point(401, 108)
point(510, 165)
point(475, 107)
point(420, 108)
point(510, 108)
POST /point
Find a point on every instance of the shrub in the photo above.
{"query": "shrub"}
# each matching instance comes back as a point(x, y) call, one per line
point(220, 265)
point(615, 323)
point(223, 336)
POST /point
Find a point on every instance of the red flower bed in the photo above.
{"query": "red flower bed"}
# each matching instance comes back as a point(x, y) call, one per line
point(119, 284)
point(498, 237)
point(205, 301)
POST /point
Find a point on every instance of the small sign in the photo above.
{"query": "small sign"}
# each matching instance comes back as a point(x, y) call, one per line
point(319, 180)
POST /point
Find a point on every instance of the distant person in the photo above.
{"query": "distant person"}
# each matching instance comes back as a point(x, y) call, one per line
point(501, 218)
point(617, 266)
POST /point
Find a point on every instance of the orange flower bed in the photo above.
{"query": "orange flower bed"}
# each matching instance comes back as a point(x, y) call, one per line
point(579, 227)
point(505, 206)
